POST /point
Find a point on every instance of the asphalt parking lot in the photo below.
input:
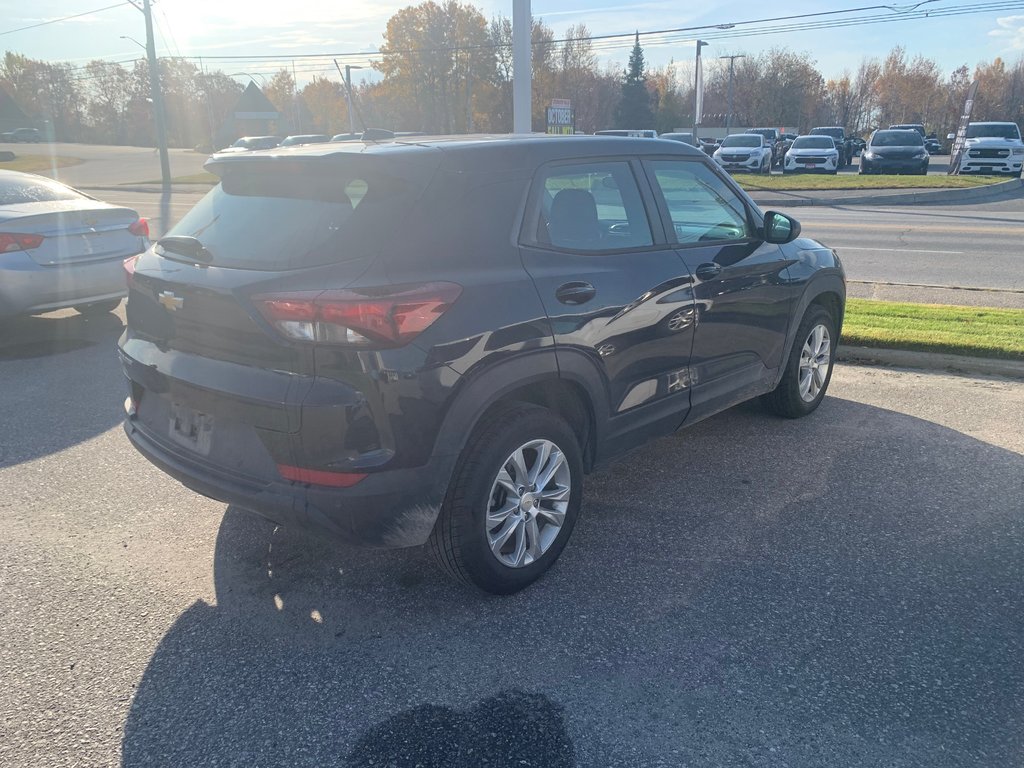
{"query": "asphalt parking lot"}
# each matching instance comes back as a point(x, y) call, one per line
point(842, 590)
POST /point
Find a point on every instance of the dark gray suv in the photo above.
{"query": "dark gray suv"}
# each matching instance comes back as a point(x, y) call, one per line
point(434, 340)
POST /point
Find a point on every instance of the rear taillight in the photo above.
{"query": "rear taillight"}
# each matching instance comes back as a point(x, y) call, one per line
point(370, 318)
point(140, 228)
point(15, 241)
point(129, 267)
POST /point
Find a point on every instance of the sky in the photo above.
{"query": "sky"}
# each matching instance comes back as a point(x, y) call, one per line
point(212, 28)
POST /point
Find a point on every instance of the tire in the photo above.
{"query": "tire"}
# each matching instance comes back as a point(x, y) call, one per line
point(466, 540)
point(790, 398)
point(98, 308)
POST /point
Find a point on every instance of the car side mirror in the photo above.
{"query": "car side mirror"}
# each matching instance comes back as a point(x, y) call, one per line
point(780, 228)
point(950, 136)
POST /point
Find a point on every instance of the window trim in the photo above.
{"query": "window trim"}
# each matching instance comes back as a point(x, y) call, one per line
point(531, 220)
point(666, 215)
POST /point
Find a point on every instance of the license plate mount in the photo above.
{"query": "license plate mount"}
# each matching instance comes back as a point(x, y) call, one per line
point(191, 429)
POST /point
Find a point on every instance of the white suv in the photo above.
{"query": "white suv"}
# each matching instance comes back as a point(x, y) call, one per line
point(992, 148)
point(749, 152)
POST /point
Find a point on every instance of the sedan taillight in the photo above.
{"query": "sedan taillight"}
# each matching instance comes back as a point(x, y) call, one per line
point(140, 228)
point(16, 241)
point(367, 318)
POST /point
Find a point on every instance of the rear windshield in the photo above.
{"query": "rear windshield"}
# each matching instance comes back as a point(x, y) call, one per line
point(18, 190)
point(814, 142)
point(835, 133)
point(993, 130)
point(897, 139)
point(290, 215)
point(742, 141)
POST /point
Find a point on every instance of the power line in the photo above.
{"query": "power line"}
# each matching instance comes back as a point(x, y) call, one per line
point(63, 18)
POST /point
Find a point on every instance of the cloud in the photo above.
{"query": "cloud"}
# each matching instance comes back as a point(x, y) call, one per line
point(1010, 31)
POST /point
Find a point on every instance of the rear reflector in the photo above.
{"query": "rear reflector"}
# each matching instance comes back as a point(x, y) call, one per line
point(16, 241)
point(371, 318)
point(140, 228)
point(320, 477)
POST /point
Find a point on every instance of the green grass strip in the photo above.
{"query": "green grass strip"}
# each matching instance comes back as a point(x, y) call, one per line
point(37, 163)
point(971, 331)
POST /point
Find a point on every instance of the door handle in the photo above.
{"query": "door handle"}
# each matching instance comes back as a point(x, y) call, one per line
point(577, 292)
point(709, 271)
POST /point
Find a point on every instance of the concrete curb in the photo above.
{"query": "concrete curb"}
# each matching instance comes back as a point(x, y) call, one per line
point(1008, 188)
point(931, 361)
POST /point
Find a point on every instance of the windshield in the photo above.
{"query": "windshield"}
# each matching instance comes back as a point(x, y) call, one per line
point(742, 141)
point(897, 139)
point(290, 215)
point(993, 130)
point(814, 142)
point(908, 127)
point(19, 189)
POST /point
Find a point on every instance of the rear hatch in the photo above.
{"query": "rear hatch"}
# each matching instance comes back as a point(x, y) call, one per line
point(272, 225)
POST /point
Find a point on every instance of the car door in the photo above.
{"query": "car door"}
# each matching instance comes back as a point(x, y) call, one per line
point(742, 291)
point(617, 294)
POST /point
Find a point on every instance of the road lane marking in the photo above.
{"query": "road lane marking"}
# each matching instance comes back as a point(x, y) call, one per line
point(901, 250)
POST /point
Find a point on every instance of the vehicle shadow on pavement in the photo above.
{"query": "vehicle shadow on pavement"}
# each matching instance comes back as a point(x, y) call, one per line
point(60, 382)
point(839, 590)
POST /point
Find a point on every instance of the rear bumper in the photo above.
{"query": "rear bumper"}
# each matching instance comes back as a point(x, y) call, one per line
point(27, 288)
point(391, 509)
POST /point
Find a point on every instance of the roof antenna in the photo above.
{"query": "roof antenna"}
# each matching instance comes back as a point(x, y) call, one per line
point(347, 80)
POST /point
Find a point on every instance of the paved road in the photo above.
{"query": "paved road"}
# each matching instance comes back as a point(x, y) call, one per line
point(111, 165)
point(966, 245)
point(841, 590)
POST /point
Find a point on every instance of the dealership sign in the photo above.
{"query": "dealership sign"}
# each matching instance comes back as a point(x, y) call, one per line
point(961, 132)
point(560, 117)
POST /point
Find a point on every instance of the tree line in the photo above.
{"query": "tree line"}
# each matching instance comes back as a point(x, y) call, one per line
point(445, 68)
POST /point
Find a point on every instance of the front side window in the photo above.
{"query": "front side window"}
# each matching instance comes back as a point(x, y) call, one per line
point(702, 207)
point(592, 207)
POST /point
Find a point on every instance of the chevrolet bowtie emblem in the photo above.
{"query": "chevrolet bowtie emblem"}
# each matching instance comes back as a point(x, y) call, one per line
point(170, 301)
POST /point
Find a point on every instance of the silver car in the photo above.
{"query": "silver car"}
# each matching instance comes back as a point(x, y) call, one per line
point(61, 248)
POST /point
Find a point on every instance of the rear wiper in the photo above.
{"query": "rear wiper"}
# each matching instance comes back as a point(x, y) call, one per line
point(184, 245)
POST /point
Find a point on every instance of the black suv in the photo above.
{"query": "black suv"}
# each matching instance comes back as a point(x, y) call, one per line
point(843, 142)
point(434, 340)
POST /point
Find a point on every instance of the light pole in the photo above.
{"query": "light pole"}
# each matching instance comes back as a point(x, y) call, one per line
point(522, 30)
point(728, 117)
point(698, 88)
point(348, 96)
point(158, 97)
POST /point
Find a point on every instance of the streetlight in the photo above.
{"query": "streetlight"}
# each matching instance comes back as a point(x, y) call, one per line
point(158, 102)
point(728, 118)
point(129, 37)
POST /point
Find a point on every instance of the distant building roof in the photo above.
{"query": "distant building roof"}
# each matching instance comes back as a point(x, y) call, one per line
point(253, 104)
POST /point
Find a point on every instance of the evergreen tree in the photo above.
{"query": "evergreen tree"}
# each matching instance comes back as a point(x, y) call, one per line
point(634, 109)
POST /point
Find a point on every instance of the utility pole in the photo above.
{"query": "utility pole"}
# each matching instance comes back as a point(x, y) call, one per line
point(522, 30)
point(728, 117)
point(159, 116)
point(348, 96)
point(698, 91)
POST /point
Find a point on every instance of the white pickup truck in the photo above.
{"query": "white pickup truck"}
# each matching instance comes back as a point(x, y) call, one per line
point(992, 148)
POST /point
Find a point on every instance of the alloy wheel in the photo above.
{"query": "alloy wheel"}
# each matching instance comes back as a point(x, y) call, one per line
point(528, 503)
point(814, 362)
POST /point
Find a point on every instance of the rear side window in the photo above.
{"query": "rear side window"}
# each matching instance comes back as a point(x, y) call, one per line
point(18, 190)
point(702, 207)
point(281, 216)
point(591, 207)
